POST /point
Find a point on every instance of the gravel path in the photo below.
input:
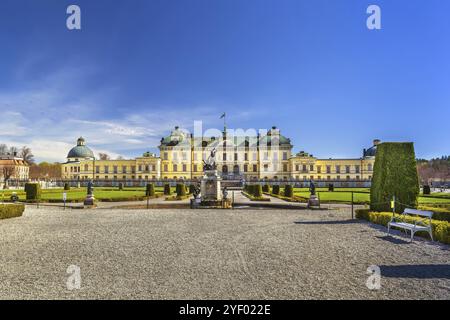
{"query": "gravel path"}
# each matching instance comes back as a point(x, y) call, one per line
point(213, 254)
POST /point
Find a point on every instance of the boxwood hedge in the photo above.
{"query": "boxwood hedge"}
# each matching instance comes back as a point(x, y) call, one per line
point(11, 210)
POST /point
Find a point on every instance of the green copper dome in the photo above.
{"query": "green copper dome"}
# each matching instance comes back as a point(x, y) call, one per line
point(80, 151)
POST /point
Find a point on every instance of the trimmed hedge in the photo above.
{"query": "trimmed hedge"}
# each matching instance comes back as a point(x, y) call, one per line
point(440, 229)
point(66, 186)
point(181, 190)
point(167, 189)
point(11, 210)
point(120, 186)
point(288, 191)
point(191, 188)
point(150, 190)
point(442, 214)
point(33, 191)
point(331, 187)
point(266, 188)
point(257, 191)
point(276, 189)
point(395, 174)
point(426, 190)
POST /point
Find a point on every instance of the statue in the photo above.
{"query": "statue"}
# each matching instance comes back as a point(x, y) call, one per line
point(312, 188)
point(225, 193)
point(210, 163)
point(196, 191)
point(90, 187)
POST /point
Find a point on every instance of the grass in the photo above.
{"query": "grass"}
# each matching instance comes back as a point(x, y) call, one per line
point(79, 194)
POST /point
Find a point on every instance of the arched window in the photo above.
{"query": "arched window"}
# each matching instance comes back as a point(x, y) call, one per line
point(225, 169)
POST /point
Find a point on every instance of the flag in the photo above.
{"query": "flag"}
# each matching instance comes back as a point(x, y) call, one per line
point(222, 116)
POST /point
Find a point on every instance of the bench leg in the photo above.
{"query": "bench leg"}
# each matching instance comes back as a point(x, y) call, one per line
point(412, 235)
point(431, 235)
point(389, 228)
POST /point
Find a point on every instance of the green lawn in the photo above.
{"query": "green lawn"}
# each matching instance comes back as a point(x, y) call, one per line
point(78, 194)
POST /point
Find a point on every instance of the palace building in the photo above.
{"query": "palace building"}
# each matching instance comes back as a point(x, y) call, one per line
point(265, 156)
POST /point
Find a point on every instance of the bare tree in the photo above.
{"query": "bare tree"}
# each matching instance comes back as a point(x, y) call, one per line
point(8, 172)
point(3, 149)
point(13, 150)
point(120, 158)
point(104, 156)
point(26, 154)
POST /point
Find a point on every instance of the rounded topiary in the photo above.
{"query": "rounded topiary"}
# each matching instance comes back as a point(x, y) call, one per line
point(33, 191)
point(257, 191)
point(276, 189)
point(181, 190)
point(167, 189)
point(120, 186)
point(150, 190)
point(288, 191)
point(426, 189)
point(331, 187)
point(266, 188)
point(66, 186)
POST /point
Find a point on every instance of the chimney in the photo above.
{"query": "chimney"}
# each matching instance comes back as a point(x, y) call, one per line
point(376, 142)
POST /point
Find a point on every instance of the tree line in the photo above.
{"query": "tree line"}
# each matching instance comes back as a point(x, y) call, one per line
point(436, 168)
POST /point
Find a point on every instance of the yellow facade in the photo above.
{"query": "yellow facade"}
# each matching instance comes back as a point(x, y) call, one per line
point(267, 157)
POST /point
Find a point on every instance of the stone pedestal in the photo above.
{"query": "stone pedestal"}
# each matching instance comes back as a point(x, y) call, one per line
point(210, 186)
point(89, 202)
point(313, 201)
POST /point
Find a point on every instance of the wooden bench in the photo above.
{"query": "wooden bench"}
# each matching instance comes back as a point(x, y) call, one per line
point(419, 225)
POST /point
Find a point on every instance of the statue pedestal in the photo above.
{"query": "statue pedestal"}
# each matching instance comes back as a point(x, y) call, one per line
point(210, 186)
point(313, 201)
point(89, 202)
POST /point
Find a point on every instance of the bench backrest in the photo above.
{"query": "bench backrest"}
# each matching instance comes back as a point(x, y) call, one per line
point(422, 213)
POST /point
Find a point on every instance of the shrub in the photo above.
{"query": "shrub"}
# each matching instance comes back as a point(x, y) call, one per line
point(395, 174)
point(440, 229)
point(33, 191)
point(266, 188)
point(426, 189)
point(66, 186)
point(181, 190)
point(191, 188)
point(120, 186)
point(288, 191)
point(150, 190)
point(167, 189)
point(276, 189)
point(331, 187)
point(11, 210)
point(257, 191)
point(442, 214)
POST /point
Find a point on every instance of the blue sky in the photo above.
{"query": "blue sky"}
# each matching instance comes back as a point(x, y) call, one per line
point(137, 68)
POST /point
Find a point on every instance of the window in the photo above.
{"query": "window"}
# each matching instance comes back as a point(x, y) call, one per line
point(297, 167)
point(184, 156)
point(246, 156)
point(285, 155)
point(124, 169)
point(319, 169)
point(175, 168)
point(255, 168)
point(235, 157)
point(86, 167)
point(311, 167)
point(166, 168)
point(195, 168)
point(115, 169)
point(140, 167)
point(348, 177)
point(304, 168)
point(285, 167)
point(357, 177)
point(245, 167)
point(305, 178)
point(166, 156)
point(347, 169)
point(133, 169)
point(328, 178)
point(97, 169)
point(357, 168)
point(319, 178)
point(266, 168)
point(369, 167)
point(106, 169)
point(147, 168)
point(224, 157)
point(328, 169)
point(338, 177)
point(184, 168)
point(338, 169)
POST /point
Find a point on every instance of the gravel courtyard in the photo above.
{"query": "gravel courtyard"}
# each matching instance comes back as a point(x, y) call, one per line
point(213, 254)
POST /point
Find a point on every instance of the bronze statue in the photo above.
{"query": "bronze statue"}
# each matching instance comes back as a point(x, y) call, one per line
point(312, 188)
point(210, 163)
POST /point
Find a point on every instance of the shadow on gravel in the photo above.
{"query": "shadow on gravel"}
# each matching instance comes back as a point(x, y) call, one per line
point(393, 240)
point(328, 222)
point(424, 271)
